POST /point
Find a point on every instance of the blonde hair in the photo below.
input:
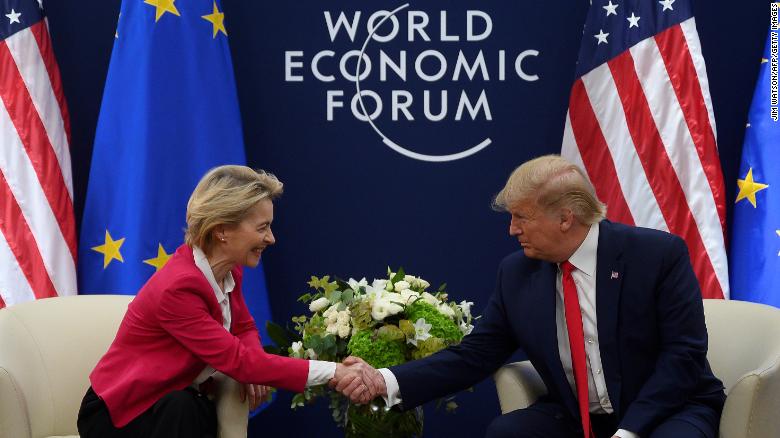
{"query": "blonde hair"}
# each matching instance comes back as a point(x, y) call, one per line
point(553, 182)
point(223, 197)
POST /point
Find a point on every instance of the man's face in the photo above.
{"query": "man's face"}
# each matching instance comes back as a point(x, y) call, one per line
point(539, 232)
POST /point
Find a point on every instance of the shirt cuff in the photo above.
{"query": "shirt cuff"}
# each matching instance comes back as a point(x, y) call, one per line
point(622, 433)
point(393, 396)
point(320, 372)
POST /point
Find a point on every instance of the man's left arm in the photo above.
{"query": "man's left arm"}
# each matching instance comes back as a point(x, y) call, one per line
point(683, 344)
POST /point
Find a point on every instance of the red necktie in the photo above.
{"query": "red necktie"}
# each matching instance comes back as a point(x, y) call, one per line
point(577, 344)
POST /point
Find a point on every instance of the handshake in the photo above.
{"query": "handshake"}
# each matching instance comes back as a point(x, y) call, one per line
point(358, 381)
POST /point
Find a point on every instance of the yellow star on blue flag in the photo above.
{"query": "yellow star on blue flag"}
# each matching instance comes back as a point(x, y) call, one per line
point(163, 6)
point(748, 188)
point(158, 133)
point(161, 259)
point(217, 20)
point(110, 249)
point(754, 258)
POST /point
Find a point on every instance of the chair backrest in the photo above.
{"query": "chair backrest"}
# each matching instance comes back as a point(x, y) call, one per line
point(742, 337)
point(47, 350)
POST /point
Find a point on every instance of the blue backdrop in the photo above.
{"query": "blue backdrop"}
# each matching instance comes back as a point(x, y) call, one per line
point(354, 205)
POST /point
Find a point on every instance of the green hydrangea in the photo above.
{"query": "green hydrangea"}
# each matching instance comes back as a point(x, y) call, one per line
point(377, 352)
point(441, 325)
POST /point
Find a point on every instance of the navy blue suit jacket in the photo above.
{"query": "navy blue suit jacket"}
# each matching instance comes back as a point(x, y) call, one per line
point(651, 330)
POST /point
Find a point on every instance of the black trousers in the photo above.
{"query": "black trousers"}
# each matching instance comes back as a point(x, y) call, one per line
point(551, 420)
point(179, 414)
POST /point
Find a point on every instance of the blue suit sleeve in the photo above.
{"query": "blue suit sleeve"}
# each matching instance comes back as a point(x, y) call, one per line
point(458, 367)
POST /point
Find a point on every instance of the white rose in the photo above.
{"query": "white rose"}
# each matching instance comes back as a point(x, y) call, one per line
point(446, 310)
point(430, 299)
point(383, 308)
point(297, 349)
point(424, 284)
point(408, 296)
point(332, 329)
point(401, 285)
point(332, 313)
point(319, 304)
point(379, 284)
point(411, 279)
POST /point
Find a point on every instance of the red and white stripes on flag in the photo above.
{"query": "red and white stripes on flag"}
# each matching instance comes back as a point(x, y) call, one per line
point(37, 226)
point(642, 126)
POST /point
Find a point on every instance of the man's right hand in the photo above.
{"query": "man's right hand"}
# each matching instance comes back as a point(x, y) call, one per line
point(358, 381)
point(369, 374)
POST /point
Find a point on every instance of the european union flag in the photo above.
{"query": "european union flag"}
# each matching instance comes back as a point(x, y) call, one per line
point(169, 114)
point(755, 242)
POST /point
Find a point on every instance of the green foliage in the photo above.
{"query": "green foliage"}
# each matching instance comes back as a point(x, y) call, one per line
point(374, 420)
point(398, 275)
point(407, 328)
point(379, 353)
point(381, 342)
point(325, 346)
point(280, 336)
point(390, 332)
point(361, 316)
point(441, 326)
point(323, 284)
point(428, 347)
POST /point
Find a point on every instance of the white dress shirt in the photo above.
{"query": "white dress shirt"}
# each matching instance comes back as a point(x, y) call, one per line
point(223, 298)
point(584, 274)
point(320, 372)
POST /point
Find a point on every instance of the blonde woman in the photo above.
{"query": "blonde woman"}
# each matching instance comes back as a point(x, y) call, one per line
point(190, 321)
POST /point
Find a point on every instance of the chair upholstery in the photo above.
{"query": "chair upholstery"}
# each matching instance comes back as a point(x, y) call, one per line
point(47, 350)
point(744, 352)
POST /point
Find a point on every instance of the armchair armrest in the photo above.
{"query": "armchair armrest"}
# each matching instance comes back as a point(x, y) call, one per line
point(518, 385)
point(752, 404)
point(13, 412)
point(232, 414)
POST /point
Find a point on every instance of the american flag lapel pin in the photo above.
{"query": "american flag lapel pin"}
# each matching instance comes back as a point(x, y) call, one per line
point(614, 275)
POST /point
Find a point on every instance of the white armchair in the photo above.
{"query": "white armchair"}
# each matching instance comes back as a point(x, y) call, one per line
point(47, 350)
point(744, 352)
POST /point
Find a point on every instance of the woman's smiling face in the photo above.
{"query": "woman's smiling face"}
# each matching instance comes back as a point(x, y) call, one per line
point(245, 242)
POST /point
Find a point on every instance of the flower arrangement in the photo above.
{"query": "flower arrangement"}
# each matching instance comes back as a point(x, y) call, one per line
point(386, 322)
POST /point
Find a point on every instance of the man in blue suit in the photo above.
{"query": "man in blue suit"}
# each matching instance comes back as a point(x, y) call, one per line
point(610, 316)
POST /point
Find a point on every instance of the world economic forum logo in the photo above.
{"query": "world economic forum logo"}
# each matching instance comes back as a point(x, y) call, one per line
point(427, 66)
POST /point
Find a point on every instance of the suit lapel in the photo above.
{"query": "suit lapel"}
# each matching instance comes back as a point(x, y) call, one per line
point(609, 279)
point(543, 282)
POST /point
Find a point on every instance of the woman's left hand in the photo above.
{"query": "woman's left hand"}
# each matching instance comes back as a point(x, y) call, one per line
point(255, 394)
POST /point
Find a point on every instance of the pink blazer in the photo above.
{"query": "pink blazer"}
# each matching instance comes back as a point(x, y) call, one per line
point(171, 330)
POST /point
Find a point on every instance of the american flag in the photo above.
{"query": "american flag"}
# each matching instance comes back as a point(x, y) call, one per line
point(37, 227)
point(640, 122)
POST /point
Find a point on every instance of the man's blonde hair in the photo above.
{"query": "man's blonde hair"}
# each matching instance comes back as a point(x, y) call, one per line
point(224, 196)
point(553, 182)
